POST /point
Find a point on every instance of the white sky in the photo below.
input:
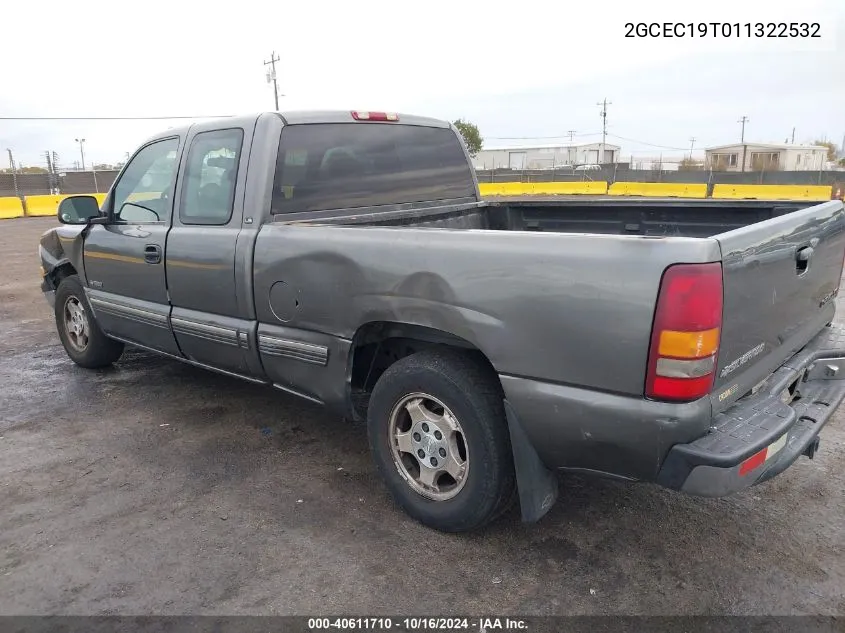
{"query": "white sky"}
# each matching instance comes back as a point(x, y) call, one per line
point(515, 69)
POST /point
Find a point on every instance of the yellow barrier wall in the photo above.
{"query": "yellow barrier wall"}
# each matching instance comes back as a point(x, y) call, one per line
point(542, 188)
point(774, 192)
point(505, 188)
point(659, 189)
point(597, 188)
point(10, 207)
point(42, 205)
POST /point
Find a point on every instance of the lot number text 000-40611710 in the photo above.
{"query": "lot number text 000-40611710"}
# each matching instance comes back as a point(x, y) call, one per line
point(723, 29)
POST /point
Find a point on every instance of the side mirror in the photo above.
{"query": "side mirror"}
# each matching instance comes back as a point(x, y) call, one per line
point(78, 209)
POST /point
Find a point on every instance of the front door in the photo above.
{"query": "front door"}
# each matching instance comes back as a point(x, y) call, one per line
point(124, 260)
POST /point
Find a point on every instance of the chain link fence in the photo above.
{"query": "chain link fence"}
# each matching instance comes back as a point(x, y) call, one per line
point(28, 184)
point(70, 182)
point(621, 173)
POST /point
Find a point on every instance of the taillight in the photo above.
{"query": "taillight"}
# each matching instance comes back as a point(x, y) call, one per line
point(374, 116)
point(686, 331)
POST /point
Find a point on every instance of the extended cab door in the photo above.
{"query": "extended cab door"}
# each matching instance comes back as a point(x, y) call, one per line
point(210, 324)
point(124, 260)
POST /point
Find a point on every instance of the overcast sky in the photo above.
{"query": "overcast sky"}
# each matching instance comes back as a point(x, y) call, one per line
point(519, 69)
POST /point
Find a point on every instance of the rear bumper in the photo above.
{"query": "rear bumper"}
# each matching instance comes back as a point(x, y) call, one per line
point(774, 420)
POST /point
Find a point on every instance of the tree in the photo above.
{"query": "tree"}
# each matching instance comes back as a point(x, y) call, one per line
point(690, 164)
point(32, 170)
point(831, 149)
point(471, 136)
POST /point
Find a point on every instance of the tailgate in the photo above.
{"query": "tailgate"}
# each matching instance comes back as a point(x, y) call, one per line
point(780, 279)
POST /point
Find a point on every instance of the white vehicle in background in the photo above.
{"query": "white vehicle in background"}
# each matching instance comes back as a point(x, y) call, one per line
point(587, 167)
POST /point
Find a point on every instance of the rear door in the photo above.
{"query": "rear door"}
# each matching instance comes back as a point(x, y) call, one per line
point(780, 280)
point(210, 324)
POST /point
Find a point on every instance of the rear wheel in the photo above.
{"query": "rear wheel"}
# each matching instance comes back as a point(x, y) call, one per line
point(82, 338)
point(437, 429)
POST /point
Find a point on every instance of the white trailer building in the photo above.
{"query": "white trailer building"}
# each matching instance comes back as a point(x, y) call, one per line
point(545, 156)
point(766, 157)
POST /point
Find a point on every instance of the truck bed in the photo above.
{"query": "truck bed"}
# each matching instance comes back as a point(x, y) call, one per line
point(774, 300)
point(599, 215)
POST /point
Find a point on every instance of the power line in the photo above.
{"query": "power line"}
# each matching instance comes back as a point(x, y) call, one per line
point(112, 118)
point(633, 140)
point(536, 138)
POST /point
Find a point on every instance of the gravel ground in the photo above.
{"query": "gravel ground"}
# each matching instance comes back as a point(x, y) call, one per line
point(158, 488)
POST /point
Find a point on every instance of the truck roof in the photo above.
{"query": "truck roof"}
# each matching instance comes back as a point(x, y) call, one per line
point(298, 117)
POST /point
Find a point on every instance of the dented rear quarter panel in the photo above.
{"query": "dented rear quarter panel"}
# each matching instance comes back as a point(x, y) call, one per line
point(564, 308)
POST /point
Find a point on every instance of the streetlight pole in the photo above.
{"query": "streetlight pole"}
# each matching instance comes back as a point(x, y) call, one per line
point(81, 142)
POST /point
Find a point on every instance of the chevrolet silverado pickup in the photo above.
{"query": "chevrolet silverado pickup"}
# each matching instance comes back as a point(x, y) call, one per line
point(348, 259)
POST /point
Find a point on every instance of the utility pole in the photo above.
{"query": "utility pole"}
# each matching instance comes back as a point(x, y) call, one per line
point(271, 76)
point(14, 172)
point(81, 142)
point(51, 171)
point(603, 115)
point(691, 145)
point(743, 121)
point(571, 134)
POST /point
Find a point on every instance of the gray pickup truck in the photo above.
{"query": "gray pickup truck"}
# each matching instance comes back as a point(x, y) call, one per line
point(347, 258)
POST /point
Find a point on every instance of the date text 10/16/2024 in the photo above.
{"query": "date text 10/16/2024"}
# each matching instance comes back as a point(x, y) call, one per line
point(482, 625)
point(723, 29)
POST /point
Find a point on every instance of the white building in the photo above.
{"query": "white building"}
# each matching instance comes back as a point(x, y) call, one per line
point(545, 156)
point(766, 157)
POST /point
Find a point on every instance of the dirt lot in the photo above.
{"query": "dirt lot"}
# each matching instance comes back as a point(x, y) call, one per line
point(155, 487)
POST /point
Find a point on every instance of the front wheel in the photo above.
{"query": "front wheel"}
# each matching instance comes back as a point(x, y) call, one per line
point(82, 338)
point(439, 436)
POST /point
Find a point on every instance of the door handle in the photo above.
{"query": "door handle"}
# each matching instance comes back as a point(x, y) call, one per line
point(152, 254)
point(802, 259)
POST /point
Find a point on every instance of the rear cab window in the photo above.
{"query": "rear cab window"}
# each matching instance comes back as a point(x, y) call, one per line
point(324, 166)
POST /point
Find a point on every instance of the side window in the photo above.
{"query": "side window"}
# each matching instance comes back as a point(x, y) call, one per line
point(208, 190)
point(143, 192)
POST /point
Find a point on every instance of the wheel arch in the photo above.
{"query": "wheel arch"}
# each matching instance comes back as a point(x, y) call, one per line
point(378, 344)
point(61, 271)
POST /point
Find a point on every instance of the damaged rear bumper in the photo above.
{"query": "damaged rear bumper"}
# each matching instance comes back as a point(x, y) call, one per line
point(761, 435)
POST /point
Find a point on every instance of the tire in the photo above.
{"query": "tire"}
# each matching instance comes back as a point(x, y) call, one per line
point(469, 391)
point(82, 338)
